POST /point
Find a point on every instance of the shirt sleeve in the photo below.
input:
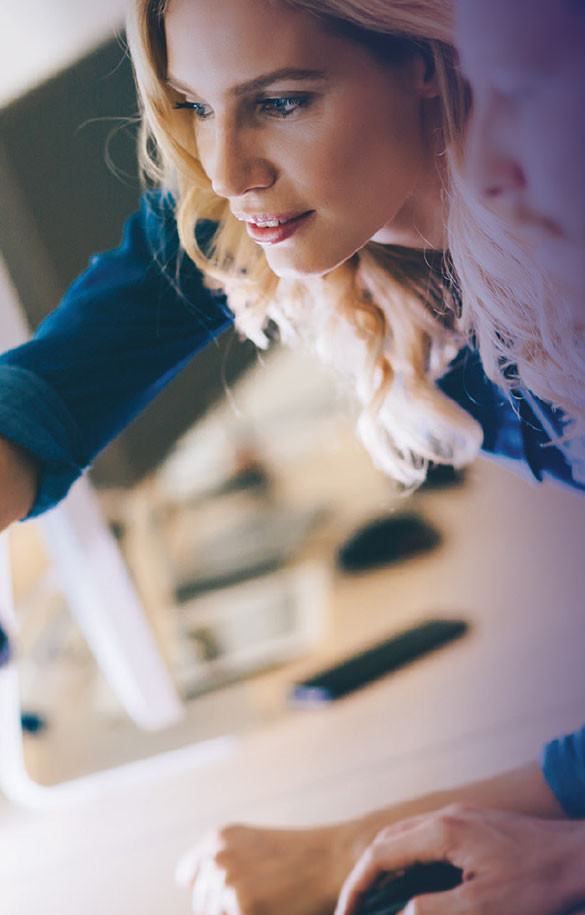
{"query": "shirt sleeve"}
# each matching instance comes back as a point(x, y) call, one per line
point(519, 429)
point(563, 765)
point(122, 331)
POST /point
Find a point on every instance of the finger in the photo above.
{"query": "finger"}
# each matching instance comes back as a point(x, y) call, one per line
point(207, 888)
point(419, 841)
point(186, 867)
point(455, 902)
point(230, 901)
point(360, 879)
point(402, 826)
point(188, 864)
point(215, 903)
point(393, 850)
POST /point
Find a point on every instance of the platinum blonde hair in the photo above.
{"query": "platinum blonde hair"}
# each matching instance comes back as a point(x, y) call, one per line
point(387, 316)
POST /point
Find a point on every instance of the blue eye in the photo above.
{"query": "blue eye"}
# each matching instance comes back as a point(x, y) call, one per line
point(196, 107)
point(284, 106)
point(281, 107)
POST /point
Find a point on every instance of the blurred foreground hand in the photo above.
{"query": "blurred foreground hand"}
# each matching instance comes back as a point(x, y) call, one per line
point(512, 864)
point(244, 870)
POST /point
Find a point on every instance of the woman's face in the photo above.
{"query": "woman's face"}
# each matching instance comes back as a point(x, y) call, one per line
point(295, 124)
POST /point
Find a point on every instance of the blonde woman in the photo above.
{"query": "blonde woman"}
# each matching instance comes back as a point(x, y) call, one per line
point(391, 269)
point(309, 154)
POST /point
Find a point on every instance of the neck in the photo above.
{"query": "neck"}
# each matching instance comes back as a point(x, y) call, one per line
point(421, 223)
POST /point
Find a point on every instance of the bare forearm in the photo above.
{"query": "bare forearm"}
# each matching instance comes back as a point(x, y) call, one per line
point(302, 871)
point(522, 790)
point(18, 482)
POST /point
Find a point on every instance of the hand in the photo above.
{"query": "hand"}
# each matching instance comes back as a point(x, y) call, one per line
point(243, 870)
point(512, 864)
point(18, 482)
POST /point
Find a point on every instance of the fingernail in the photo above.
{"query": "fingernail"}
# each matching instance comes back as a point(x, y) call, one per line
point(183, 871)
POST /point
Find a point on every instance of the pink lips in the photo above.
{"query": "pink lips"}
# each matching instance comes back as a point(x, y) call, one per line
point(269, 217)
point(272, 235)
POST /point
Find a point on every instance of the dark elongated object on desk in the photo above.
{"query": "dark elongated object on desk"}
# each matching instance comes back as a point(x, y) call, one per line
point(386, 540)
point(392, 892)
point(381, 659)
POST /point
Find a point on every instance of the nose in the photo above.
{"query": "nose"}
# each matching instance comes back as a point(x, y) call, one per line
point(492, 164)
point(234, 162)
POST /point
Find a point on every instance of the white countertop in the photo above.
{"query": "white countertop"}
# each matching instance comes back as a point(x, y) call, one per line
point(511, 563)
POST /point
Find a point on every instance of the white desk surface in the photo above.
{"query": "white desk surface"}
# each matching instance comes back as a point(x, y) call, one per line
point(512, 563)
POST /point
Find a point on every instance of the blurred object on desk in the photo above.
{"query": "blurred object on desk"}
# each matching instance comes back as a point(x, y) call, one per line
point(385, 540)
point(379, 660)
point(237, 631)
point(5, 648)
point(258, 544)
point(256, 485)
point(443, 476)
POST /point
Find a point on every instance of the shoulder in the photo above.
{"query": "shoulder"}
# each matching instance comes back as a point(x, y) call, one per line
point(517, 425)
point(158, 214)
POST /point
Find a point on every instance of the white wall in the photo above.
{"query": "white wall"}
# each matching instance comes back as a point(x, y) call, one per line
point(40, 37)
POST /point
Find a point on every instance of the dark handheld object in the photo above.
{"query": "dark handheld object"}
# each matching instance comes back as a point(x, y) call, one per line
point(382, 659)
point(386, 540)
point(392, 892)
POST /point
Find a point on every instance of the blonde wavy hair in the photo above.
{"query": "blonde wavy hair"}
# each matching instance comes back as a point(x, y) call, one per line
point(393, 318)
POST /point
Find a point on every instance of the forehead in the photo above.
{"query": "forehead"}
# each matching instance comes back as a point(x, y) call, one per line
point(528, 34)
point(229, 40)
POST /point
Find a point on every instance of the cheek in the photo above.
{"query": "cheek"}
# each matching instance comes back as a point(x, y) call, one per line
point(366, 161)
point(203, 142)
point(326, 167)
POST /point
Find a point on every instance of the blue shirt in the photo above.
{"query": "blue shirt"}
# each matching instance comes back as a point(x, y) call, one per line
point(122, 331)
point(563, 764)
point(134, 319)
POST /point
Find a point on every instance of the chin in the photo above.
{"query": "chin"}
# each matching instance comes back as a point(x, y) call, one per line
point(299, 268)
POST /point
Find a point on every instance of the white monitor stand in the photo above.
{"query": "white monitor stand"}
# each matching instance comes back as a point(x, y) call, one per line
point(100, 593)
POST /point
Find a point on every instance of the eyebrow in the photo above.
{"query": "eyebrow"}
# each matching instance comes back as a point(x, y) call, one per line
point(260, 81)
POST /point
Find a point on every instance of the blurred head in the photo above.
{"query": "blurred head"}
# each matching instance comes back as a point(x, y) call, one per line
point(526, 151)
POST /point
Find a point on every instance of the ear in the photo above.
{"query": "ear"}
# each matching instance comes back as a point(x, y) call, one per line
point(425, 75)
